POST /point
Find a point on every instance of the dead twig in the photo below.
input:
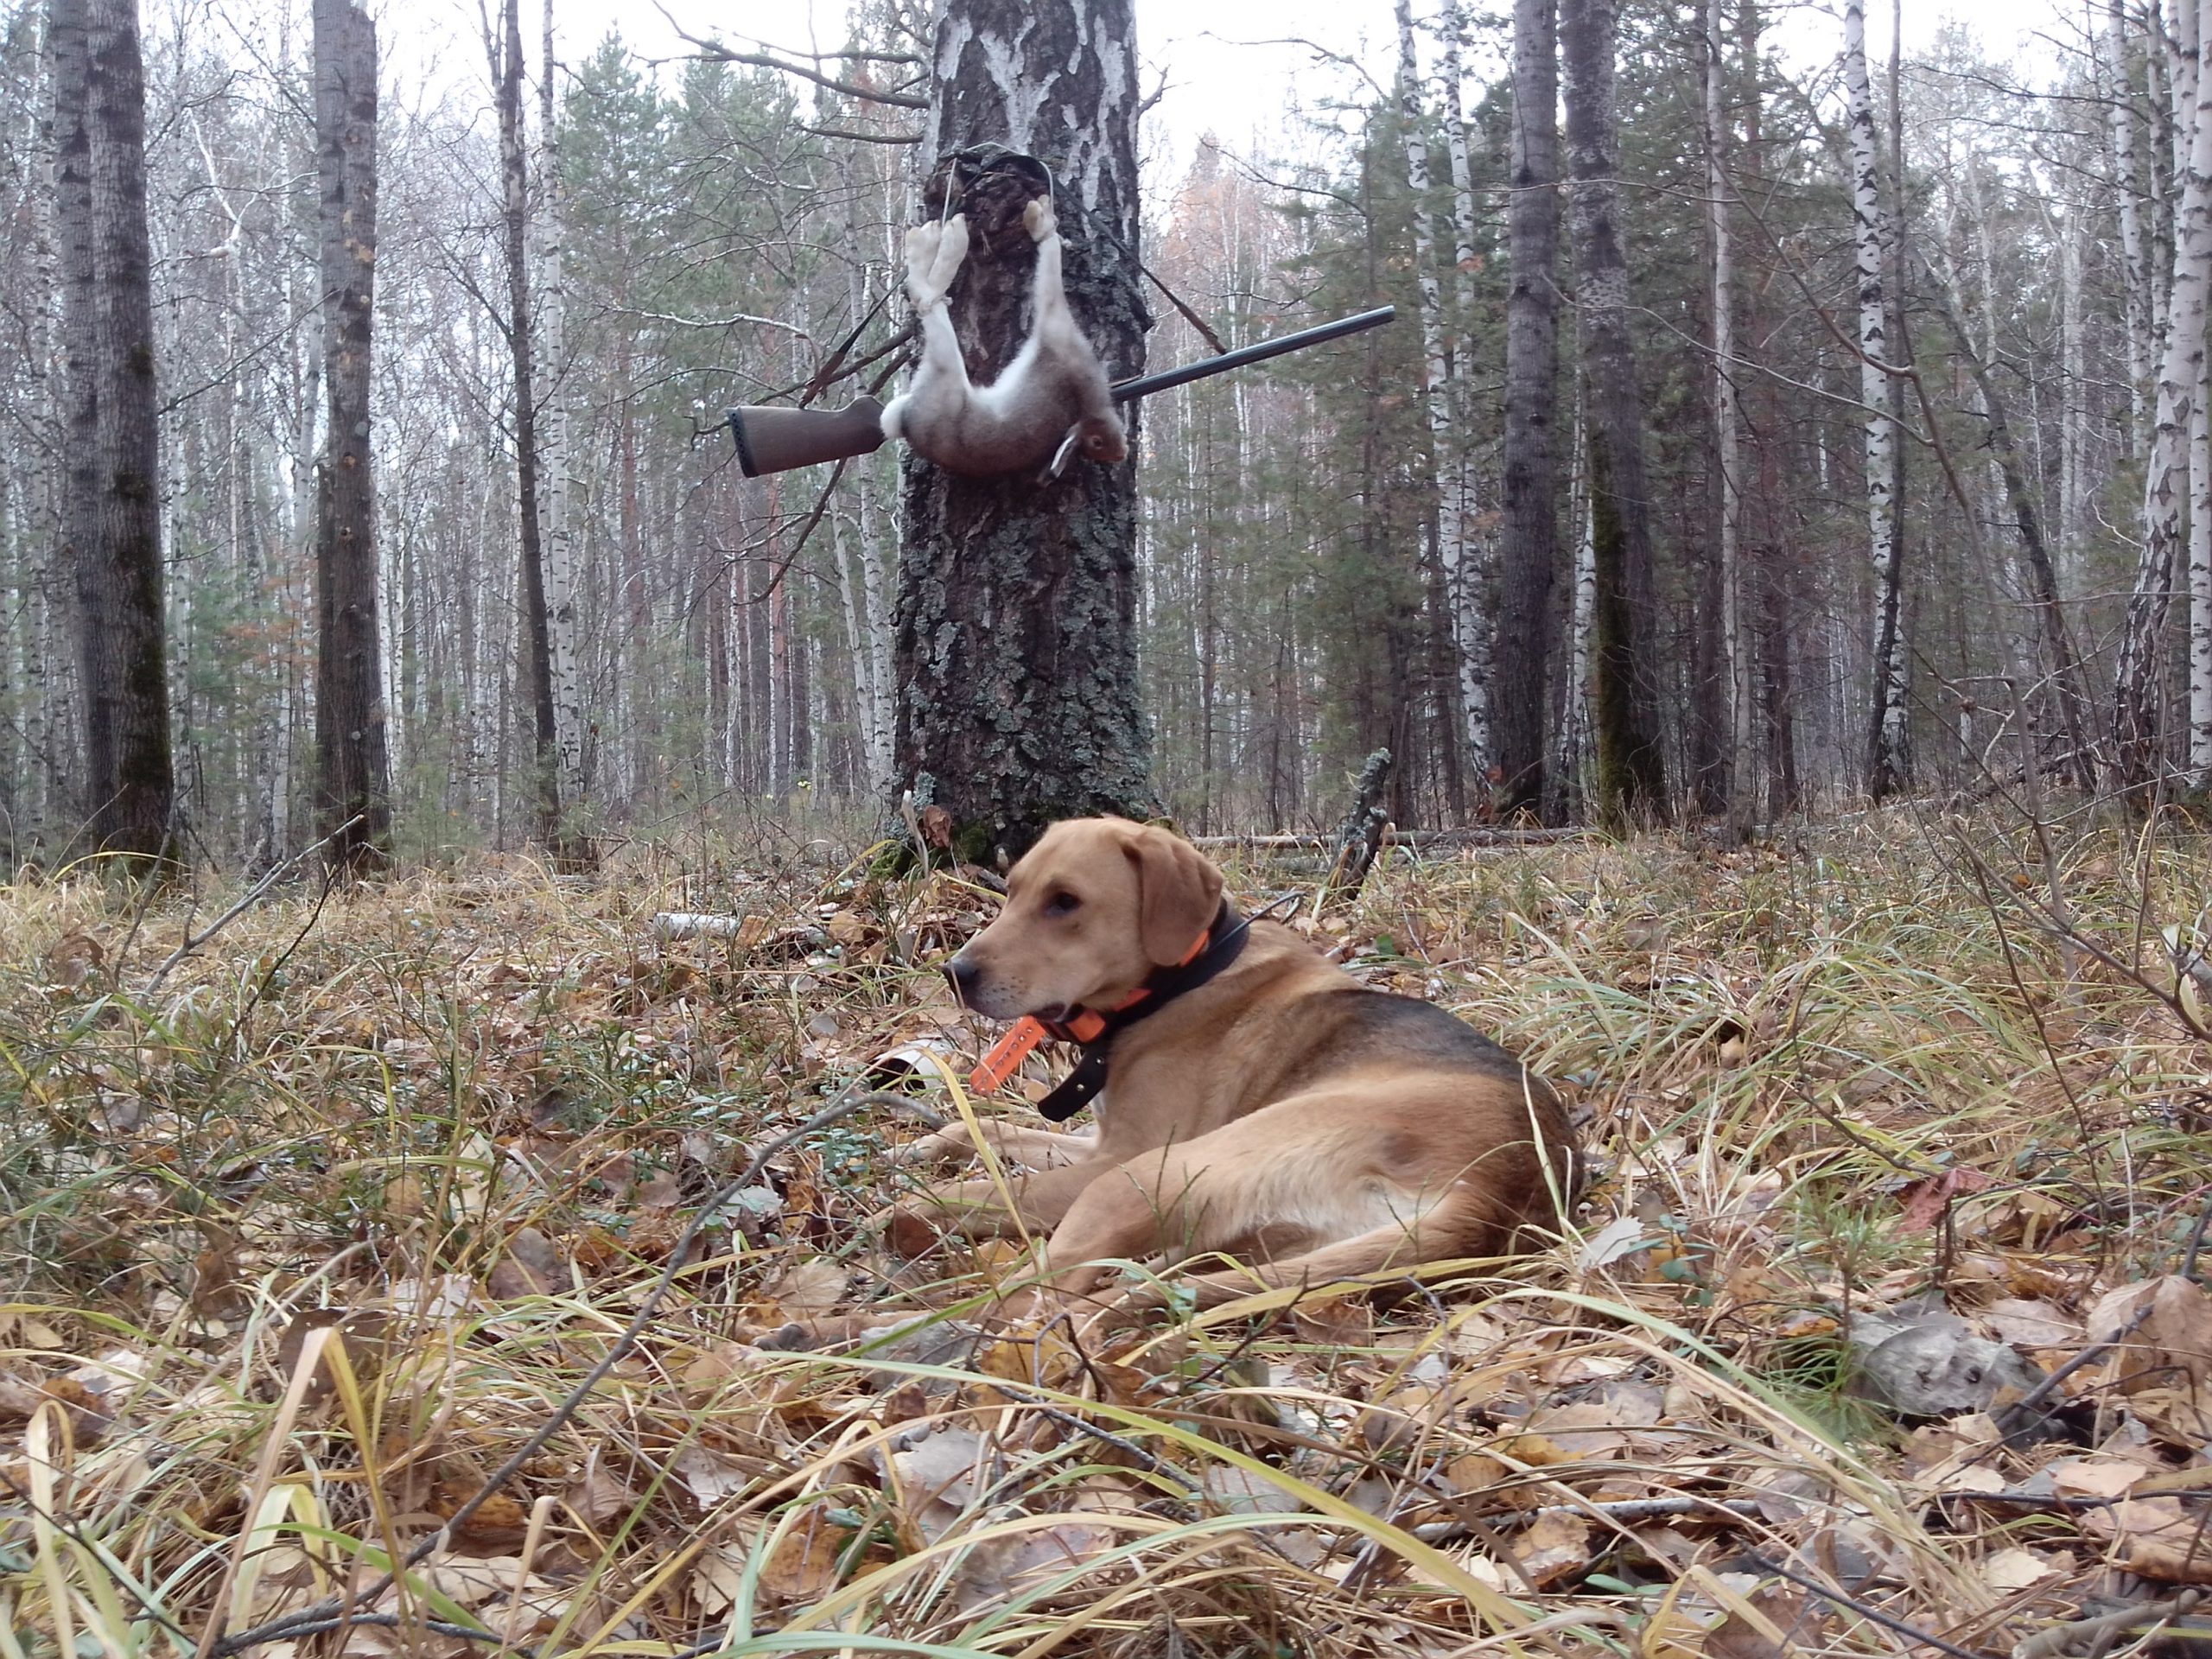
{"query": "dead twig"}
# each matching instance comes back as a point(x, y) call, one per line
point(2014, 1418)
point(246, 901)
point(1889, 1622)
point(2096, 1634)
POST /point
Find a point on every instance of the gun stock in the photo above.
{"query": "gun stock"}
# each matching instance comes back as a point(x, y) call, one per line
point(775, 440)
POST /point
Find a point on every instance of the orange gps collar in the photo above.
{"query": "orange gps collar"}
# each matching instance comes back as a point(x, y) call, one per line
point(1221, 944)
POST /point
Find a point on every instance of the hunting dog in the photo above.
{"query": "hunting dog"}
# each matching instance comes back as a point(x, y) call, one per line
point(1258, 1102)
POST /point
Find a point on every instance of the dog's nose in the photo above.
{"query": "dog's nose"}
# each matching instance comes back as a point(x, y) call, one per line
point(962, 973)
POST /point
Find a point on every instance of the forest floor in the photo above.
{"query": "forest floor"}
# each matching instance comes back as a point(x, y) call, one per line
point(310, 1230)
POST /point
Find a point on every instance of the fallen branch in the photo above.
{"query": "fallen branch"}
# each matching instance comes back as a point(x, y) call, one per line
point(2097, 1634)
point(1889, 1622)
point(252, 896)
point(1416, 839)
point(2012, 1418)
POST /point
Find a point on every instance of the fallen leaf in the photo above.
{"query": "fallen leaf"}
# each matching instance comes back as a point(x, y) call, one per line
point(997, 1570)
point(807, 1288)
point(72, 959)
point(2017, 1569)
point(709, 1476)
point(1555, 1548)
point(2030, 1323)
point(2165, 1363)
point(1926, 1200)
point(2156, 1538)
point(1239, 1491)
point(598, 1496)
point(1616, 1239)
point(1775, 1622)
point(937, 1480)
point(801, 1566)
point(717, 1580)
point(2095, 1477)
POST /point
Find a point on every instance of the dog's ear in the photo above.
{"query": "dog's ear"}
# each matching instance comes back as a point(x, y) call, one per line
point(1177, 891)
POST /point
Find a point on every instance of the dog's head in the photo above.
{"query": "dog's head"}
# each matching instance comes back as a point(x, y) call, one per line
point(1092, 909)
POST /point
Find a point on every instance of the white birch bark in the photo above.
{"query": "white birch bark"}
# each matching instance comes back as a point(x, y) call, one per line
point(2072, 400)
point(2200, 579)
point(1727, 453)
point(1473, 690)
point(1574, 721)
point(1461, 497)
point(1888, 665)
point(562, 620)
point(2126, 187)
point(2141, 689)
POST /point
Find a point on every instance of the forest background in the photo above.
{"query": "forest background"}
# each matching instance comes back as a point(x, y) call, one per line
point(1325, 564)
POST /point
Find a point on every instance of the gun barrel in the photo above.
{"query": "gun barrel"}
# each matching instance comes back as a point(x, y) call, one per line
point(1145, 385)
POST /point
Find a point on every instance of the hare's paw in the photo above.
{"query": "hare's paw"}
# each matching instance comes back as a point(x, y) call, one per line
point(1042, 222)
point(921, 244)
point(952, 252)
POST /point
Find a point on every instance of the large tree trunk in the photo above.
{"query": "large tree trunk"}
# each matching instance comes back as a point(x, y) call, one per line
point(353, 783)
point(551, 831)
point(1016, 638)
point(1886, 768)
point(113, 515)
point(1530, 554)
point(1631, 772)
point(2141, 688)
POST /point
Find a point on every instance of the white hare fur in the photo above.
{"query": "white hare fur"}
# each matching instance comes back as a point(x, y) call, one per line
point(1054, 391)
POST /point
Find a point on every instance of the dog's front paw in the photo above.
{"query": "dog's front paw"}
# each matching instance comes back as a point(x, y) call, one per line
point(940, 1149)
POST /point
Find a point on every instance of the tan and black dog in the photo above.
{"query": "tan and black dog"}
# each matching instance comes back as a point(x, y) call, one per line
point(1258, 1102)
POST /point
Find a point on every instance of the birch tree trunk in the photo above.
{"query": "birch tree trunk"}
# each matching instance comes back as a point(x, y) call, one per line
point(1885, 765)
point(1530, 554)
point(2200, 580)
point(352, 780)
point(1462, 492)
point(569, 723)
point(1448, 527)
point(2127, 189)
point(2141, 688)
point(1631, 773)
point(2073, 399)
point(1016, 625)
point(113, 520)
point(1735, 639)
point(1572, 735)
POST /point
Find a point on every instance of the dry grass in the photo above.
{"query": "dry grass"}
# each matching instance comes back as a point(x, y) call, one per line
point(309, 1238)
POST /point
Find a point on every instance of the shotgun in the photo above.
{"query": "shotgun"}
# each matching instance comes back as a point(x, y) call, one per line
point(774, 438)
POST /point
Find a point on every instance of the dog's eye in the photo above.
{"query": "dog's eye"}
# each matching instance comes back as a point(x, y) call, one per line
point(1062, 904)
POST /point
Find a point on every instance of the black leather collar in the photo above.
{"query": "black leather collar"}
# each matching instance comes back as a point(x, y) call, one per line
point(1225, 941)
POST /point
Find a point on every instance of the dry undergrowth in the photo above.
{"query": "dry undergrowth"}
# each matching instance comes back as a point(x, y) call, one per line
point(310, 1236)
